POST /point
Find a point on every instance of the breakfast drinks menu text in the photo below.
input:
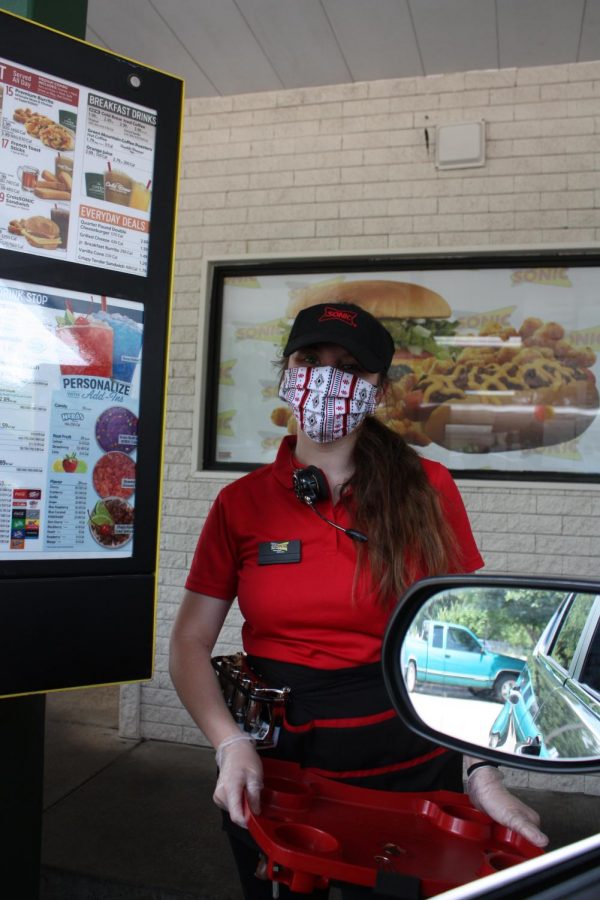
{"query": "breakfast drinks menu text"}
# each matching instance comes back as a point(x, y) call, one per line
point(76, 172)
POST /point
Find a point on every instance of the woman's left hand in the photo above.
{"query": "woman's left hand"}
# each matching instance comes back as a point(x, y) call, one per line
point(488, 794)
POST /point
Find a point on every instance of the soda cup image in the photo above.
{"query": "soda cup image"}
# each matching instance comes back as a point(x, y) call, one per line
point(127, 344)
point(90, 348)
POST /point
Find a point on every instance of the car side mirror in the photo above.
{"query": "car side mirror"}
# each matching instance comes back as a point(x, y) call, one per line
point(524, 704)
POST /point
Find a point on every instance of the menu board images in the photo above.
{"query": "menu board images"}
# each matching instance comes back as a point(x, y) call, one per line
point(69, 404)
point(494, 369)
point(76, 172)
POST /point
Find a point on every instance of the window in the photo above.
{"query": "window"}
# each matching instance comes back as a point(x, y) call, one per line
point(458, 639)
point(570, 631)
point(590, 674)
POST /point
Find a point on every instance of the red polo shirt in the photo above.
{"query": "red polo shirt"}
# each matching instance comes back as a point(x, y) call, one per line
point(300, 612)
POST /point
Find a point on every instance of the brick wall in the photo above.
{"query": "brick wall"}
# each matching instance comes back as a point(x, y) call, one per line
point(346, 168)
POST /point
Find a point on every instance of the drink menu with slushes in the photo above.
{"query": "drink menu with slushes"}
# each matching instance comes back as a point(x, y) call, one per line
point(69, 405)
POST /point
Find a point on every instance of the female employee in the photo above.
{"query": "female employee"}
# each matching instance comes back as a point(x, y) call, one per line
point(316, 600)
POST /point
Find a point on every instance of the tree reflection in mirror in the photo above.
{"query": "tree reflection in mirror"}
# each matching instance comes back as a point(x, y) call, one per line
point(509, 668)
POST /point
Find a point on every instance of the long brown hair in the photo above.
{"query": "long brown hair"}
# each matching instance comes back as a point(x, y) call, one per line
point(393, 502)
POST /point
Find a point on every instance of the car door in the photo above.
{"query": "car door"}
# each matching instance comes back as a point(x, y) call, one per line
point(569, 707)
point(463, 658)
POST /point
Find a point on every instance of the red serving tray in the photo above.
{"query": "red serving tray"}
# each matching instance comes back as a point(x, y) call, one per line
point(313, 830)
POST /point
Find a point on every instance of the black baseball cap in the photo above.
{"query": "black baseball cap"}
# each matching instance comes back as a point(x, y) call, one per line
point(345, 324)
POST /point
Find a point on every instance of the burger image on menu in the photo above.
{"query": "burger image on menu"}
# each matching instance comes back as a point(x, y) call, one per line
point(502, 389)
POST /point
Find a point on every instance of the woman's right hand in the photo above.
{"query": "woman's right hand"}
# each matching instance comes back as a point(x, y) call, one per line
point(240, 769)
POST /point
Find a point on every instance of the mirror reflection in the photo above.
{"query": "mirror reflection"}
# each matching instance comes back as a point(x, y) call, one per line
point(513, 669)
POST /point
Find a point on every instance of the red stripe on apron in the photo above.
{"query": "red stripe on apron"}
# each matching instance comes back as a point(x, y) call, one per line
point(367, 773)
point(354, 722)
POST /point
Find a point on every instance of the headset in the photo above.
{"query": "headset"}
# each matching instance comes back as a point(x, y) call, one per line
point(311, 485)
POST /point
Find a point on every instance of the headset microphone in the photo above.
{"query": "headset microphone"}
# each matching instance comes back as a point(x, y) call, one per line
point(310, 485)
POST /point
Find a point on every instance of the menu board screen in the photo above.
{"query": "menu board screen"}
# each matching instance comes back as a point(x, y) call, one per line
point(76, 172)
point(495, 372)
point(69, 404)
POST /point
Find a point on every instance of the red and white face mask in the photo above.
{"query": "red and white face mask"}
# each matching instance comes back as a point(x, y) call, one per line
point(327, 403)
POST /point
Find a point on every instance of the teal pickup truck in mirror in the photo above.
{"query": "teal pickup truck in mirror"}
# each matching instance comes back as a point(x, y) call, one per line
point(452, 655)
point(445, 653)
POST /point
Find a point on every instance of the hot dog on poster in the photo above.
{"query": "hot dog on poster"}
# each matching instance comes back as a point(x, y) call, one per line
point(501, 389)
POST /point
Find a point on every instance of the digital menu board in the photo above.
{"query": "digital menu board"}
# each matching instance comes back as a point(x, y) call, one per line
point(86, 270)
point(70, 367)
point(76, 171)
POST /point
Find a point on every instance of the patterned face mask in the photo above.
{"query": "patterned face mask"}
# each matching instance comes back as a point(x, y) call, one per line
point(327, 402)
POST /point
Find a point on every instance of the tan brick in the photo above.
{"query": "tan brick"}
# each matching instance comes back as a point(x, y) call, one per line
point(339, 227)
point(202, 136)
point(259, 180)
point(363, 208)
point(413, 241)
point(372, 242)
point(419, 206)
point(322, 94)
point(339, 192)
point(306, 245)
point(584, 71)
point(516, 165)
point(556, 218)
point(453, 82)
point(571, 91)
point(318, 176)
point(369, 107)
point(583, 107)
point(378, 139)
point(490, 185)
point(505, 95)
point(388, 225)
point(491, 78)
point(463, 238)
point(255, 101)
point(573, 162)
point(506, 202)
point(568, 200)
point(294, 212)
point(201, 105)
point(583, 218)
point(464, 100)
point(472, 203)
point(364, 124)
point(542, 74)
point(394, 155)
point(393, 87)
point(551, 109)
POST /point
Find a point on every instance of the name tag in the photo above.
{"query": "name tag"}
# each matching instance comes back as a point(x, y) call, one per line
point(276, 552)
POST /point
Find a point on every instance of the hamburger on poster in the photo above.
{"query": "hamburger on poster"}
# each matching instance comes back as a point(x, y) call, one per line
point(415, 316)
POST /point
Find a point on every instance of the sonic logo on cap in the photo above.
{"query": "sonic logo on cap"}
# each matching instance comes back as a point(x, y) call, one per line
point(341, 315)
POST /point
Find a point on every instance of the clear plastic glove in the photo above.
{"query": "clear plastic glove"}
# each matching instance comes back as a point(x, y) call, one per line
point(240, 769)
point(487, 792)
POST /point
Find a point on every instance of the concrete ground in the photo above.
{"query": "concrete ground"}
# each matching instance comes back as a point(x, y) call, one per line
point(130, 820)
